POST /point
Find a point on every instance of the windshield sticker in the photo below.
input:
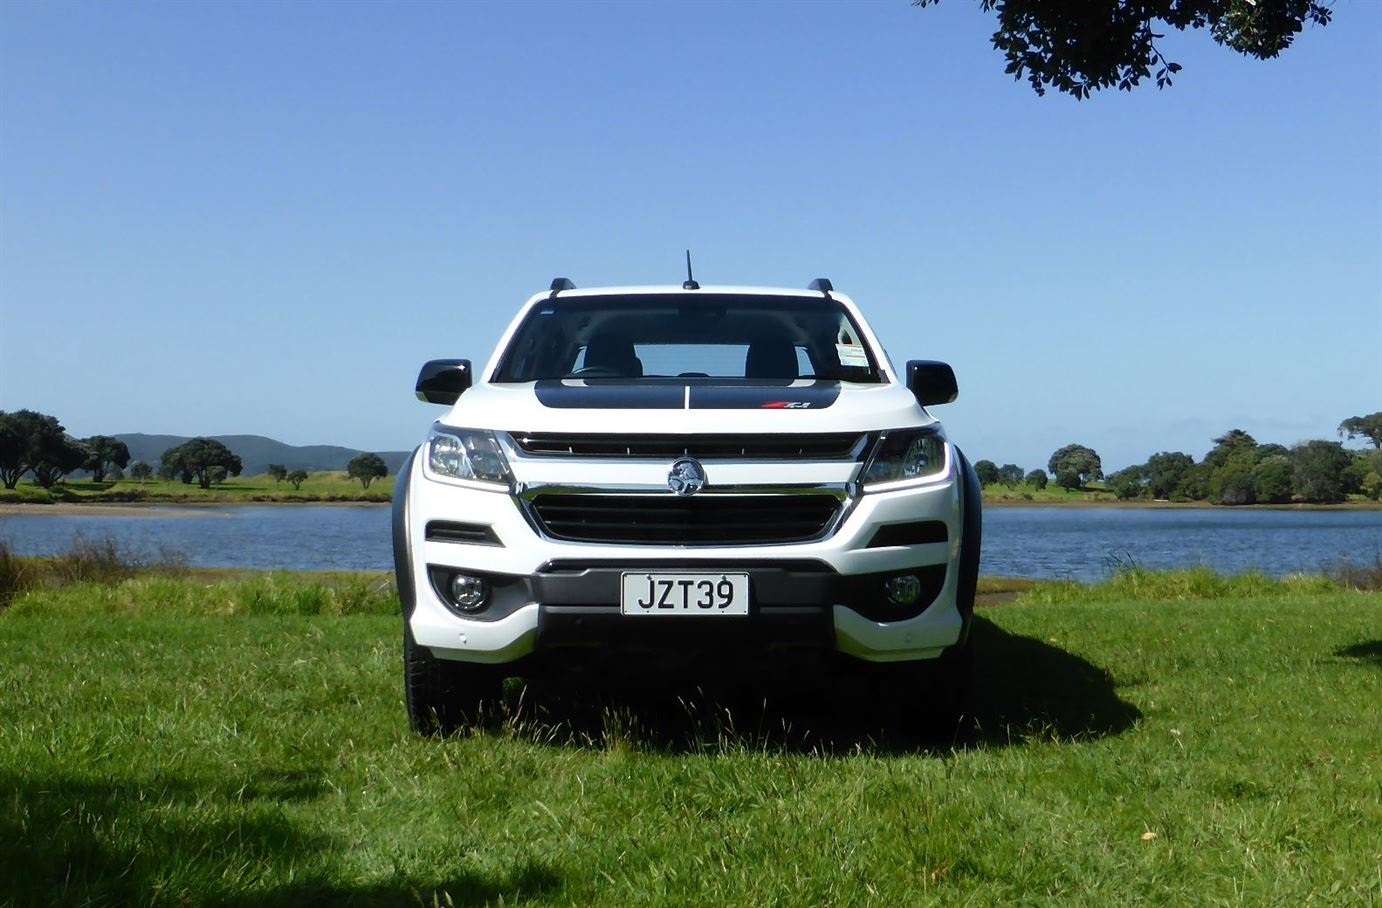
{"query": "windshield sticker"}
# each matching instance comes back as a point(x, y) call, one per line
point(852, 355)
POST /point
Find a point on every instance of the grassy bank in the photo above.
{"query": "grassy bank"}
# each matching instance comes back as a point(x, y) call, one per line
point(241, 740)
point(1025, 493)
point(318, 487)
point(1096, 495)
point(337, 487)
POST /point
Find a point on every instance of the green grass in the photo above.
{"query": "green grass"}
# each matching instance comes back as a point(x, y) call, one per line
point(324, 486)
point(1052, 494)
point(1169, 740)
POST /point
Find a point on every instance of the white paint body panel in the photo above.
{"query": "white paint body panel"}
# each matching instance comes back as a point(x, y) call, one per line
point(514, 408)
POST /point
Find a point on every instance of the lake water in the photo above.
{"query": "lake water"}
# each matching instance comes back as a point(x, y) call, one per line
point(1078, 543)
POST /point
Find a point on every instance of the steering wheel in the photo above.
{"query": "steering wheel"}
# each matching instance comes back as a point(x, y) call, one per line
point(596, 372)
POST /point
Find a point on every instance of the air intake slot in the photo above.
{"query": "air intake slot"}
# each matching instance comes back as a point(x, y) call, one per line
point(471, 533)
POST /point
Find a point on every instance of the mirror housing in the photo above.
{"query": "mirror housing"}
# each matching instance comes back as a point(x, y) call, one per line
point(442, 381)
point(931, 382)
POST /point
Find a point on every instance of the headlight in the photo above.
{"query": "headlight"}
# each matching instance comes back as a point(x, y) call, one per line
point(467, 454)
point(906, 454)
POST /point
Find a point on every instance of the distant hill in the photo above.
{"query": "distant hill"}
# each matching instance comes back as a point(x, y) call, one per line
point(256, 452)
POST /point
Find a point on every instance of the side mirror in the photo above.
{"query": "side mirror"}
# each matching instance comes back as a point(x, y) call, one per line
point(931, 382)
point(442, 381)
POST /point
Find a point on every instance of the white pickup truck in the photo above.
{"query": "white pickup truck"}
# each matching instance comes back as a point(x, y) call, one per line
point(683, 478)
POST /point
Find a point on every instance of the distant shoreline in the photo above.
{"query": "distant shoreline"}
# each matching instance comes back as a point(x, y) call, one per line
point(1185, 505)
point(181, 508)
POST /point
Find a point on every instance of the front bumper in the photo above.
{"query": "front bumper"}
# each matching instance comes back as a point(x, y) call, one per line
point(561, 599)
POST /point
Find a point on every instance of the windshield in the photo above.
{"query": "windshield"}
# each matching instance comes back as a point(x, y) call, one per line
point(692, 336)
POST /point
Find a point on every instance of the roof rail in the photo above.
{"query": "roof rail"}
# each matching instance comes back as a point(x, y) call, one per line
point(559, 284)
point(822, 284)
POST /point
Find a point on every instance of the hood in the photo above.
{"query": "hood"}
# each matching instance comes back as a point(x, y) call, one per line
point(680, 406)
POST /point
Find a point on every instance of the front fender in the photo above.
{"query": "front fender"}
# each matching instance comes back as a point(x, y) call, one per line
point(402, 551)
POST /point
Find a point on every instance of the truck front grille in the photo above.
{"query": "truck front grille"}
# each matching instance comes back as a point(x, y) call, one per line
point(784, 446)
point(670, 520)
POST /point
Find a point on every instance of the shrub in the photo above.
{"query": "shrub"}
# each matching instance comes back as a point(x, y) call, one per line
point(15, 576)
point(101, 561)
point(1367, 577)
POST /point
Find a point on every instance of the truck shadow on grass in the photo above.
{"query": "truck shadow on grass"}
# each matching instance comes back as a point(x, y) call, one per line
point(1023, 689)
point(70, 840)
point(1369, 652)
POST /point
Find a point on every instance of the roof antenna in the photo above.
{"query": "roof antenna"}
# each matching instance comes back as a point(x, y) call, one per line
point(690, 282)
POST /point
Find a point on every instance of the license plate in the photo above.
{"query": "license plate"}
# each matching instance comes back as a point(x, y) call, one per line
point(684, 594)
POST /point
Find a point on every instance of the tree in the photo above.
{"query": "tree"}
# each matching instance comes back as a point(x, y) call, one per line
point(1010, 474)
point(1317, 471)
point(1194, 485)
point(1075, 465)
point(1079, 47)
point(296, 478)
point(1372, 486)
point(278, 471)
point(1129, 483)
point(1166, 471)
point(37, 442)
point(193, 459)
point(1226, 445)
point(1037, 479)
point(12, 445)
point(216, 474)
point(367, 468)
point(1232, 483)
point(1271, 479)
point(1369, 427)
point(103, 453)
point(140, 470)
point(55, 459)
point(1365, 464)
point(987, 471)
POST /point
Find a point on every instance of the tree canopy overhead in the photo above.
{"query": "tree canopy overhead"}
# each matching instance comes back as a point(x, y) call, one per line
point(1081, 46)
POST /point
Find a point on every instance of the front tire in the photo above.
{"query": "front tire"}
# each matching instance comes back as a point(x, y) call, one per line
point(444, 697)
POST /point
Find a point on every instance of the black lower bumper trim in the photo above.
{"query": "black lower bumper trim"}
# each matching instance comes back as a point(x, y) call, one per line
point(777, 587)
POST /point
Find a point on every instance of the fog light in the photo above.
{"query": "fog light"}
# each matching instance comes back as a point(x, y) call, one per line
point(903, 589)
point(469, 593)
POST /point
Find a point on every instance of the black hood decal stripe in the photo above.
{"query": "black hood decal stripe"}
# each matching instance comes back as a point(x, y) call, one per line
point(816, 396)
point(645, 395)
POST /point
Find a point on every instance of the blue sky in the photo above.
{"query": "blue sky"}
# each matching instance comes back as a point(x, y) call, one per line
point(262, 217)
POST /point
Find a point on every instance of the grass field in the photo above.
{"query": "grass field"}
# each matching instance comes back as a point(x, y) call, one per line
point(324, 486)
point(1164, 739)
